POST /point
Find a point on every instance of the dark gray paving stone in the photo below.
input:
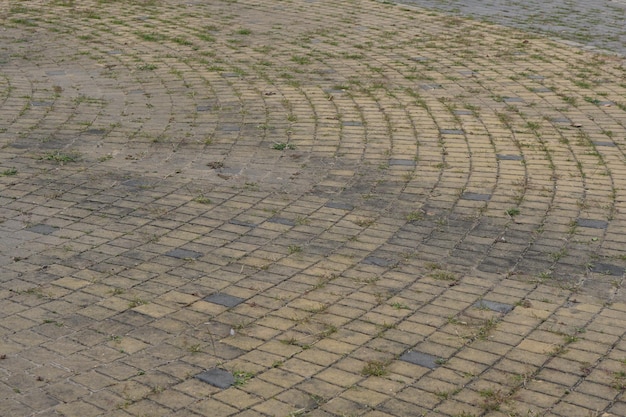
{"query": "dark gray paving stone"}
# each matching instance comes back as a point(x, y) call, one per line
point(41, 103)
point(95, 131)
point(494, 306)
point(351, 123)
point(375, 260)
point(463, 112)
point(593, 224)
point(242, 223)
point(496, 265)
point(42, 229)
point(402, 162)
point(510, 157)
point(421, 359)
point(451, 132)
point(217, 377)
point(603, 143)
point(282, 220)
point(608, 269)
point(229, 128)
point(430, 86)
point(183, 254)
point(225, 300)
point(334, 91)
point(137, 183)
point(21, 144)
point(52, 144)
point(139, 255)
point(513, 100)
point(476, 196)
point(339, 205)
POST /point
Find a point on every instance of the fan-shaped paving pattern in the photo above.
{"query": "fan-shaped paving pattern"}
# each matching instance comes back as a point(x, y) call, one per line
point(368, 208)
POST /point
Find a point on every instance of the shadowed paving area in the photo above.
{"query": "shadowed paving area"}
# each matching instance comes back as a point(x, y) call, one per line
point(289, 208)
point(592, 23)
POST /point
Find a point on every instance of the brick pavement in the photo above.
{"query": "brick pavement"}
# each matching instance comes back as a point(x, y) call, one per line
point(289, 208)
point(591, 23)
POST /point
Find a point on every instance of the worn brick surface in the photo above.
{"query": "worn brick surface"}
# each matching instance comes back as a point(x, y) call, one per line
point(349, 208)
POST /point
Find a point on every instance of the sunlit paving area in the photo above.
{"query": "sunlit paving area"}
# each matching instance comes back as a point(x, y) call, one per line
point(308, 208)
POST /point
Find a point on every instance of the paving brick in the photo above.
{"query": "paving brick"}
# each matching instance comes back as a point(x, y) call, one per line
point(237, 398)
point(219, 378)
point(78, 409)
point(67, 392)
point(210, 407)
point(564, 408)
point(149, 406)
point(339, 377)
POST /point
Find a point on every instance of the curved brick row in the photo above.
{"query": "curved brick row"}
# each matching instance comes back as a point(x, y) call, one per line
point(290, 208)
